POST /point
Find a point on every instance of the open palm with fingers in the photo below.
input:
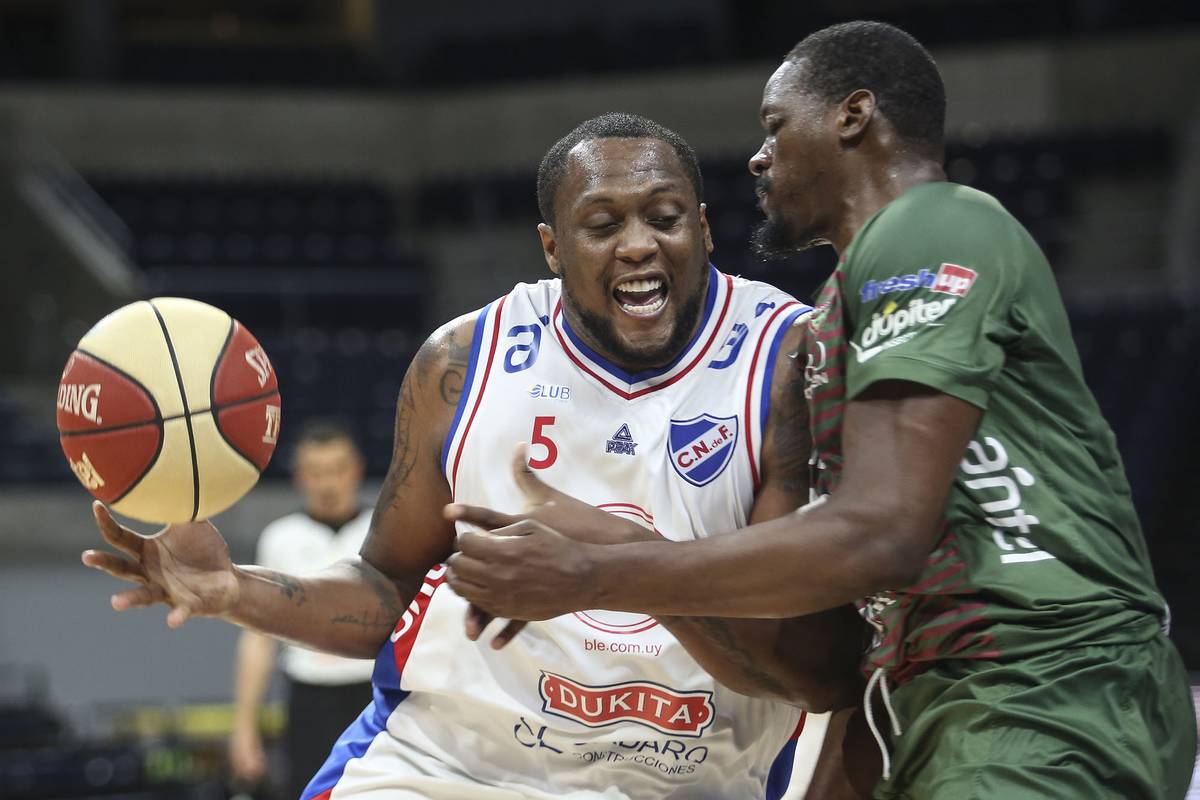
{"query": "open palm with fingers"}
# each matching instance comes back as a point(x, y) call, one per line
point(186, 567)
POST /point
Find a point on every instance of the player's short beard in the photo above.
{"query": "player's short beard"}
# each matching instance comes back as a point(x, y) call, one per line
point(601, 329)
point(775, 239)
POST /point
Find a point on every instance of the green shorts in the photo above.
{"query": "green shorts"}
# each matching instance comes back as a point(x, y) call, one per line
point(1092, 723)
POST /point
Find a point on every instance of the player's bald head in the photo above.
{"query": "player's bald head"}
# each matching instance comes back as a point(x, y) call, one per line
point(613, 125)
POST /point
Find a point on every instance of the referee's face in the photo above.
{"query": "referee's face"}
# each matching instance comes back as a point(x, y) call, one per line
point(328, 474)
point(631, 243)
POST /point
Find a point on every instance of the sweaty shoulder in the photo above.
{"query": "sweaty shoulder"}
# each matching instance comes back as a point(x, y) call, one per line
point(439, 367)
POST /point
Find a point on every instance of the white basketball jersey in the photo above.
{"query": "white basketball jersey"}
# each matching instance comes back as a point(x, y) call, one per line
point(597, 704)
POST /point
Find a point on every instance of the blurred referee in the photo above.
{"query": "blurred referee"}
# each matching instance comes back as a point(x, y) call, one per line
point(324, 692)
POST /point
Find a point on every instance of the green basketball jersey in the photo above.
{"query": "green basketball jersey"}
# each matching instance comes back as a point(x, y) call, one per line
point(1040, 547)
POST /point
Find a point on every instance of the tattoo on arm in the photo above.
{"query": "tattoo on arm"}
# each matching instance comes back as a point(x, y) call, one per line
point(791, 439)
point(718, 632)
point(406, 444)
point(371, 620)
point(458, 358)
point(385, 613)
point(288, 586)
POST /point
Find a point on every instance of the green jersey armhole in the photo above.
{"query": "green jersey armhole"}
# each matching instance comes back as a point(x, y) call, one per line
point(903, 368)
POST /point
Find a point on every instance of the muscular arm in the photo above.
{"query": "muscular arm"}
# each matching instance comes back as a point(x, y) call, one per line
point(902, 443)
point(810, 660)
point(350, 608)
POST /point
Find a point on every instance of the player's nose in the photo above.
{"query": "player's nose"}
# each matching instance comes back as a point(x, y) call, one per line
point(637, 242)
point(760, 162)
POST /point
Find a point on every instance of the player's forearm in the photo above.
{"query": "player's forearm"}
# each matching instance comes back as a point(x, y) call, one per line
point(733, 652)
point(252, 673)
point(788, 567)
point(810, 661)
point(348, 609)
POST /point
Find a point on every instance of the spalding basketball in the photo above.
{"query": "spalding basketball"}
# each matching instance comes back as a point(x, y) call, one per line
point(168, 410)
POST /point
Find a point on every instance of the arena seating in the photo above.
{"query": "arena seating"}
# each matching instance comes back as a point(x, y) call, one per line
point(709, 37)
point(345, 354)
point(211, 222)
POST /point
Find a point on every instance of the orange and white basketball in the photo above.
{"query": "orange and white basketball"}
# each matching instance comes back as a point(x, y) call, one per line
point(168, 410)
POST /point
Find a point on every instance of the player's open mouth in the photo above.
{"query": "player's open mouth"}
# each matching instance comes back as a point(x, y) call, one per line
point(641, 298)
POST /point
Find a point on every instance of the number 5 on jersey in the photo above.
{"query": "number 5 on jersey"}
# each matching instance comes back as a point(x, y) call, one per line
point(539, 437)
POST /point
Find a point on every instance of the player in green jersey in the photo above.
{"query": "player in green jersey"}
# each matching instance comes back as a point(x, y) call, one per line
point(976, 507)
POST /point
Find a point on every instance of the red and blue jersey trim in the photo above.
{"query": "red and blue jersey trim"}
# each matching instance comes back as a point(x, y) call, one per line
point(793, 309)
point(780, 776)
point(468, 380)
point(631, 386)
point(450, 467)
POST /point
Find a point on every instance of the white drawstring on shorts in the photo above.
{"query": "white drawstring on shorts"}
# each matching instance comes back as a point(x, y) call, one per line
point(879, 677)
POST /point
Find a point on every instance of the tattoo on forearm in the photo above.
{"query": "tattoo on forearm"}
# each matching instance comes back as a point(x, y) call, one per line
point(288, 586)
point(387, 610)
point(391, 603)
point(370, 620)
point(718, 633)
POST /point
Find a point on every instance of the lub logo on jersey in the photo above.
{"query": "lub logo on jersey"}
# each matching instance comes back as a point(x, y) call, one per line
point(702, 446)
point(662, 708)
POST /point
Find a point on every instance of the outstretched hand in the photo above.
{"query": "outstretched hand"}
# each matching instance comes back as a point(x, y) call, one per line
point(186, 567)
point(556, 516)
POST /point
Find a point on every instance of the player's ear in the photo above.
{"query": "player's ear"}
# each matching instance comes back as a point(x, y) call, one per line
point(855, 114)
point(549, 246)
point(705, 230)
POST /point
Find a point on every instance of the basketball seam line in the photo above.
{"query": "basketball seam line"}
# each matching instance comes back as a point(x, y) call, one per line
point(162, 434)
point(159, 420)
point(212, 396)
point(187, 417)
point(153, 402)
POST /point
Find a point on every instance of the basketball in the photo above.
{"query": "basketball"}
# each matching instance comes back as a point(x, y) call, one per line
point(168, 410)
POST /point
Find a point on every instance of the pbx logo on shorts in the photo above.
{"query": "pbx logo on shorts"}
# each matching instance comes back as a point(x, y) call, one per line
point(655, 706)
point(949, 279)
point(702, 446)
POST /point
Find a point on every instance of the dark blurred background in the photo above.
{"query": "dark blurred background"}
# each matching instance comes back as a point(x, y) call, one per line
point(344, 175)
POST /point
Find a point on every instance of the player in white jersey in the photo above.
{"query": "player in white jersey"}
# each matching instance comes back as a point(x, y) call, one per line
point(647, 383)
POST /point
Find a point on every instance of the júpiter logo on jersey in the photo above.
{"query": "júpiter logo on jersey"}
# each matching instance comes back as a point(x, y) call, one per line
point(701, 447)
